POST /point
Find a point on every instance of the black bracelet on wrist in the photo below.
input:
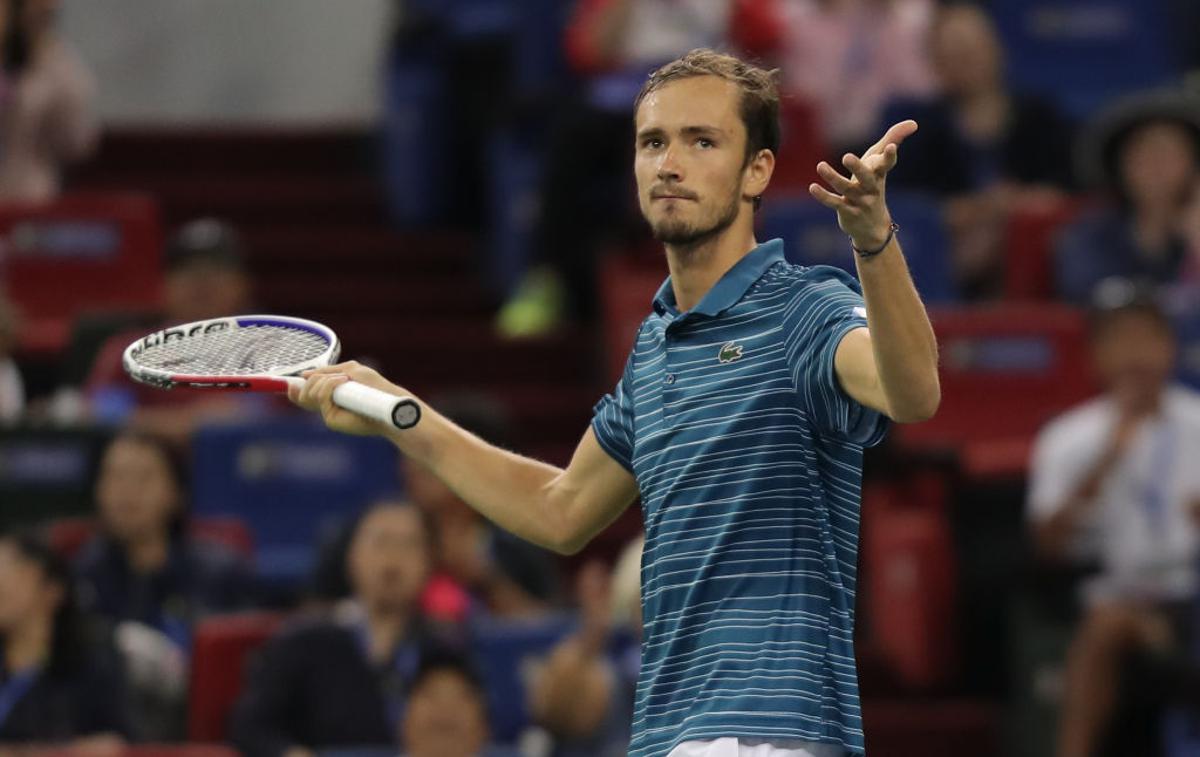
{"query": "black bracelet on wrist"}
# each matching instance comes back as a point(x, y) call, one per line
point(892, 229)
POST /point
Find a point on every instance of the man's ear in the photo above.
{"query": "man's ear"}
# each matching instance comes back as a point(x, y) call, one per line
point(758, 173)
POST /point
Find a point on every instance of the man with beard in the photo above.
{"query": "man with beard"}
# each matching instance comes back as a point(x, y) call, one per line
point(741, 418)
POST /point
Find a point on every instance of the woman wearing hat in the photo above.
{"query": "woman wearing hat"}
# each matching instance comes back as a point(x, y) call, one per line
point(1145, 152)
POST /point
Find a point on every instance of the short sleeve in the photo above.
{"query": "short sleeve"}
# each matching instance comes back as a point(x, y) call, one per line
point(827, 304)
point(1191, 483)
point(1050, 480)
point(612, 419)
point(1062, 454)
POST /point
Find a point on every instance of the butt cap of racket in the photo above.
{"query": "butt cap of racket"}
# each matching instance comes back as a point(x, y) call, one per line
point(401, 412)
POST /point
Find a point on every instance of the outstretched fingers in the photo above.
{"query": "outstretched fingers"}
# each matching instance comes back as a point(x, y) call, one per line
point(835, 180)
point(867, 177)
point(896, 134)
point(825, 197)
point(891, 154)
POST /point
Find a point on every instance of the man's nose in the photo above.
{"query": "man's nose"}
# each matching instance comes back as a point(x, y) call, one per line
point(668, 167)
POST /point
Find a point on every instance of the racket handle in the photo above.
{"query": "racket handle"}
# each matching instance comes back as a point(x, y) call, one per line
point(402, 412)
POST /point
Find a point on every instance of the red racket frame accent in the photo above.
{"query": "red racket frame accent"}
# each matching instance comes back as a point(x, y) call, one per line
point(274, 384)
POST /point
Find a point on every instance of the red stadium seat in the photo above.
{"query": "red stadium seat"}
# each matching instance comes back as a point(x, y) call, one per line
point(1005, 371)
point(934, 728)
point(225, 529)
point(627, 288)
point(1028, 262)
point(801, 148)
point(219, 653)
point(83, 252)
point(69, 535)
point(909, 571)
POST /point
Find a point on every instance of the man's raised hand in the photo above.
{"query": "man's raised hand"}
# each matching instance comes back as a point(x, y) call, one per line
point(859, 198)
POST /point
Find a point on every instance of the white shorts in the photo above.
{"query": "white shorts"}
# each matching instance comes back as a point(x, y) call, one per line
point(731, 747)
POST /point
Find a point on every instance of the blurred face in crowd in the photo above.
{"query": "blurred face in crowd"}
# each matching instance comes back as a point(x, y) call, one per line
point(40, 15)
point(445, 717)
point(136, 492)
point(459, 546)
point(25, 591)
point(690, 159)
point(428, 492)
point(388, 561)
point(203, 289)
point(1158, 165)
point(966, 52)
point(1135, 356)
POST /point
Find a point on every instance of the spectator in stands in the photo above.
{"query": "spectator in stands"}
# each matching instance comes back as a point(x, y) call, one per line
point(150, 579)
point(983, 148)
point(1146, 152)
point(447, 711)
point(583, 695)
point(144, 566)
point(12, 389)
point(344, 681)
point(480, 572)
point(848, 58)
point(47, 108)
point(55, 687)
point(206, 277)
point(1114, 482)
point(612, 45)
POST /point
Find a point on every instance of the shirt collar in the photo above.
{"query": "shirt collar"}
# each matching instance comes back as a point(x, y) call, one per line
point(731, 287)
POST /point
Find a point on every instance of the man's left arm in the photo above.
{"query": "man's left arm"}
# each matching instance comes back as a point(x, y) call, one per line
point(891, 365)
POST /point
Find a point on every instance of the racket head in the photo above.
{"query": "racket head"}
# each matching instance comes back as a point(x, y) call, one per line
point(246, 352)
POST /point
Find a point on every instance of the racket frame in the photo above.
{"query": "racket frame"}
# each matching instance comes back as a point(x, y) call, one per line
point(403, 412)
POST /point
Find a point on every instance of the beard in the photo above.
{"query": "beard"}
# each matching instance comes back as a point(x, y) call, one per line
point(682, 233)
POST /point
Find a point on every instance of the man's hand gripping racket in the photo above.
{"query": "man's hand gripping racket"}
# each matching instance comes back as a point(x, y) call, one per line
point(268, 353)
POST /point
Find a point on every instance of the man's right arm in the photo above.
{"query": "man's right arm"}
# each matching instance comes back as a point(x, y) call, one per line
point(559, 509)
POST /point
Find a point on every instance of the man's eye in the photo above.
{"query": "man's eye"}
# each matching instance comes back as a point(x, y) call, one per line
point(705, 143)
point(653, 143)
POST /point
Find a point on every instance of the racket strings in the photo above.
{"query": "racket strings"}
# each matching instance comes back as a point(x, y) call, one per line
point(235, 352)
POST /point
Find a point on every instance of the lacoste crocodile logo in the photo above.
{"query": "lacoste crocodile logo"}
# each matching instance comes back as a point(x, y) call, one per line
point(729, 352)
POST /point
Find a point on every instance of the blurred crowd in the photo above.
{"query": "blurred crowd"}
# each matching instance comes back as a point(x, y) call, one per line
point(379, 649)
point(98, 628)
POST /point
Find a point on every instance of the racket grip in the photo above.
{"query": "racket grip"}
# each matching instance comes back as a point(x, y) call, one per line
point(401, 412)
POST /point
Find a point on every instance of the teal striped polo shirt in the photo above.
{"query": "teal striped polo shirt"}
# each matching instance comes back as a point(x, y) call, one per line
point(748, 456)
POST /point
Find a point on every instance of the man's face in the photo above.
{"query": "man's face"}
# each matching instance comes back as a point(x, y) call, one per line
point(388, 561)
point(203, 290)
point(690, 159)
point(1134, 356)
point(445, 717)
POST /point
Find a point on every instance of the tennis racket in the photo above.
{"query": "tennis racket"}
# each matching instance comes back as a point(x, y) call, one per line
point(256, 353)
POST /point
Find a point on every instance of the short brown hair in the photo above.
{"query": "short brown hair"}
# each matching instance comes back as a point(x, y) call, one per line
point(760, 95)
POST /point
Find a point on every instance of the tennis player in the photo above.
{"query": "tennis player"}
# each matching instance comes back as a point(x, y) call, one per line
point(741, 419)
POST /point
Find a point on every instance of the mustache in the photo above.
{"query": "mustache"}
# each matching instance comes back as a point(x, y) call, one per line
point(663, 191)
